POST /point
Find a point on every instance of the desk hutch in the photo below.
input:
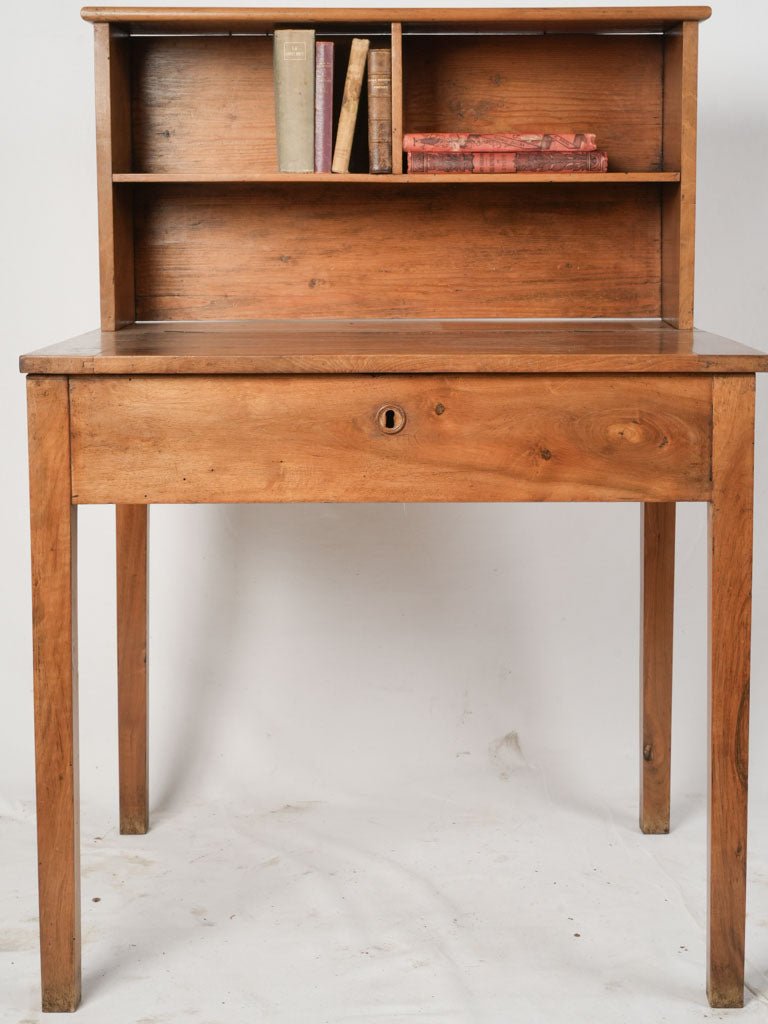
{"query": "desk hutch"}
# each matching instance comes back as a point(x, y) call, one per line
point(322, 337)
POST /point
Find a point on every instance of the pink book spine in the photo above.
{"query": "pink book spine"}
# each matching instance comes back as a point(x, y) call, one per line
point(498, 142)
point(323, 106)
point(506, 163)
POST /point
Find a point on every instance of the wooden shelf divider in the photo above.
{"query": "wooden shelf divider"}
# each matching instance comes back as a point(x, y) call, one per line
point(397, 98)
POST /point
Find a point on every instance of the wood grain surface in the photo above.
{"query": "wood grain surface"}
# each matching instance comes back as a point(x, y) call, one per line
point(610, 85)
point(730, 622)
point(678, 206)
point(397, 346)
point(466, 438)
point(54, 644)
point(399, 181)
point(112, 55)
point(397, 98)
point(208, 252)
point(657, 607)
point(227, 19)
point(131, 524)
point(203, 103)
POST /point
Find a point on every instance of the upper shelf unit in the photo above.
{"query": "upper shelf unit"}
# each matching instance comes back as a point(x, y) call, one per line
point(201, 106)
point(196, 221)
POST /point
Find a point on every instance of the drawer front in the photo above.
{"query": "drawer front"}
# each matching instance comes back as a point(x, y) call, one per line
point(430, 437)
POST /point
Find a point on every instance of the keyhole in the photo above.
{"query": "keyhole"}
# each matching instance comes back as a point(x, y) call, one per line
point(390, 418)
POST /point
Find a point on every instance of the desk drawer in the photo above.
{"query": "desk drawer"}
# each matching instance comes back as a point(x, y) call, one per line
point(429, 437)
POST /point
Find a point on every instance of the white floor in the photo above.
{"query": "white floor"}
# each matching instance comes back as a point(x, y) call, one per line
point(471, 897)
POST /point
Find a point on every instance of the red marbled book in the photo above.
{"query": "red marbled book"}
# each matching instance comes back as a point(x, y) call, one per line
point(506, 163)
point(323, 106)
point(498, 142)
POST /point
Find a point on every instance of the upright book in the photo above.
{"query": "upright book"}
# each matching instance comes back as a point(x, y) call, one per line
point(380, 111)
point(294, 69)
point(349, 104)
point(323, 106)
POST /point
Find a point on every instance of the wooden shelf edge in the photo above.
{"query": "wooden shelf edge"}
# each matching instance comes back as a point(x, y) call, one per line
point(613, 177)
point(215, 17)
point(275, 364)
point(329, 346)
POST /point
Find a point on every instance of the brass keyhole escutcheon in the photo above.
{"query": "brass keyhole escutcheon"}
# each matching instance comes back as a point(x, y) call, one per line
point(391, 419)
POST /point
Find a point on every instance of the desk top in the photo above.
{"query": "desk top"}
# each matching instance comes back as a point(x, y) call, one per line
point(396, 346)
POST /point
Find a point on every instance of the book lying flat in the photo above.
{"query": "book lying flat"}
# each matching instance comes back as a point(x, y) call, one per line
point(498, 142)
point(506, 163)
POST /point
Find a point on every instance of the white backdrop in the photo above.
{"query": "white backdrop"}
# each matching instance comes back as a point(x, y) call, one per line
point(360, 656)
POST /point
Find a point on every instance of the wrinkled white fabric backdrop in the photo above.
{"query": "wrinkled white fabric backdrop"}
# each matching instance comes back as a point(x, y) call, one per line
point(394, 748)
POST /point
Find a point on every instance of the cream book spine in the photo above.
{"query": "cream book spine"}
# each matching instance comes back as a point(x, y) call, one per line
point(294, 69)
point(349, 104)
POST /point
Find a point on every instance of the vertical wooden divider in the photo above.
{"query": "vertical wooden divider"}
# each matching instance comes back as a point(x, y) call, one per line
point(678, 208)
point(397, 97)
point(113, 153)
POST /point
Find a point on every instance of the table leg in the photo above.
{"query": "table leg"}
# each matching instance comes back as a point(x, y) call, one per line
point(658, 588)
point(54, 638)
point(730, 607)
point(132, 607)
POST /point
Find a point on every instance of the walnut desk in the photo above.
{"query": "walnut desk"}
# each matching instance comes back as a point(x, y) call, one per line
point(271, 337)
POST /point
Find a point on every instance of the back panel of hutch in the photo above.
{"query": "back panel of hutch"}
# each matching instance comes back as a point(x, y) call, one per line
point(198, 224)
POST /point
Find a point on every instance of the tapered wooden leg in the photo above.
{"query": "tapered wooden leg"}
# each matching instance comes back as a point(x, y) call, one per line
point(132, 608)
point(658, 587)
point(54, 638)
point(730, 606)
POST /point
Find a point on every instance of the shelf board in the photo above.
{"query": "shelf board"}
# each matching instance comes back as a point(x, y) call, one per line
point(397, 346)
point(263, 19)
point(191, 177)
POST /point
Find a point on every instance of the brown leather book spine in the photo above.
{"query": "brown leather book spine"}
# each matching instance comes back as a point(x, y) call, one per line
point(380, 111)
point(323, 106)
point(506, 163)
point(566, 163)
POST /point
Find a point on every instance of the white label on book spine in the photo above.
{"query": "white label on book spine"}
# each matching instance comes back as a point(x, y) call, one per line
point(294, 51)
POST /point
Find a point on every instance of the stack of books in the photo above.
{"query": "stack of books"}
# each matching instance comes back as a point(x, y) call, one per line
point(503, 153)
point(303, 68)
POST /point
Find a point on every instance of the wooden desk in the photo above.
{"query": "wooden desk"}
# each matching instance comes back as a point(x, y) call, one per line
point(352, 402)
